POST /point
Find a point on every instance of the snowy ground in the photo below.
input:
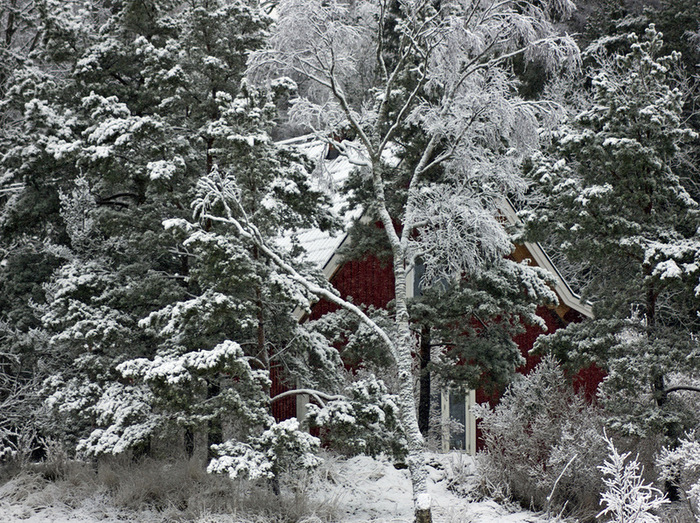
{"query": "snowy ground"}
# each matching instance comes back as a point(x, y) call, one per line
point(371, 490)
point(357, 490)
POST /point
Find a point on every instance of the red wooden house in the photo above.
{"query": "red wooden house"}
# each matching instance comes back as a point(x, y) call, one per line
point(370, 282)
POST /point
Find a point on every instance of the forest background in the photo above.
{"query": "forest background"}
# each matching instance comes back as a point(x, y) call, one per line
point(130, 325)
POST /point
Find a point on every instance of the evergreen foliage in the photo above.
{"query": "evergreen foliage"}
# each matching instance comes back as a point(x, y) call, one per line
point(122, 107)
point(366, 421)
point(124, 317)
point(616, 207)
point(474, 321)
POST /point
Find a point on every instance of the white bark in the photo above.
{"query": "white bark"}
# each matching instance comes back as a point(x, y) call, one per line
point(407, 400)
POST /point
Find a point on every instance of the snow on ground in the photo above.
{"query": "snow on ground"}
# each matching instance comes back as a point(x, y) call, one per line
point(373, 490)
point(357, 490)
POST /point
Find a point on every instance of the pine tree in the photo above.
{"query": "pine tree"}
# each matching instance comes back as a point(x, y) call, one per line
point(475, 320)
point(618, 209)
point(241, 298)
point(122, 108)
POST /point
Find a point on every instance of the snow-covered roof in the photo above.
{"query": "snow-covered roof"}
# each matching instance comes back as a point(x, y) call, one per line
point(322, 247)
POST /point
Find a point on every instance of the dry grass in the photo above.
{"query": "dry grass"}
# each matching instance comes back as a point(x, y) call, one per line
point(155, 491)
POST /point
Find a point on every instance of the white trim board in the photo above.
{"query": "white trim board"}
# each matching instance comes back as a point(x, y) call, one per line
point(566, 294)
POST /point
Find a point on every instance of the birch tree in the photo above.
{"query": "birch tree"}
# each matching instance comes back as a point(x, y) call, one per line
point(371, 70)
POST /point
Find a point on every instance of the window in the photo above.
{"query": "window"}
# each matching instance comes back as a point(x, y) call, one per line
point(458, 422)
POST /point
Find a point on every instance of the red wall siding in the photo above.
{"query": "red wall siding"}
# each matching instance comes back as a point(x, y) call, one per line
point(586, 380)
point(525, 341)
point(371, 282)
point(286, 407)
point(368, 281)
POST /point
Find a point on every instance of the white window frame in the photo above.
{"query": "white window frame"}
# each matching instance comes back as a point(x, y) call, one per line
point(469, 421)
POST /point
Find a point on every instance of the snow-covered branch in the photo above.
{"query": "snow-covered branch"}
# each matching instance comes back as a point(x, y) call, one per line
point(320, 397)
point(628, 498)
point(213, 190)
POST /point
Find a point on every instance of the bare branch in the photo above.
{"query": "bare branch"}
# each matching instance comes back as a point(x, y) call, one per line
point(682, 387)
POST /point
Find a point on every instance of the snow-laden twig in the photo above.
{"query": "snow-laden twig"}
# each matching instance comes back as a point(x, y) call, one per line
point(628, 498)
point(551, 494)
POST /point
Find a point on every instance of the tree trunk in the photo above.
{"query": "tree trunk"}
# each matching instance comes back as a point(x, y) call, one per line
point(423, 515)
point(407, 400)
point(262, 352)
point(671, 431)
point(424, 398)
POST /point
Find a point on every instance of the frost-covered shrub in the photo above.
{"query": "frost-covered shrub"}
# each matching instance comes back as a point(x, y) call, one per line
point(682, 466)
point(281, 447)
point(543, 443)
point(366, 421)
point(627, 498)
point(18, 445)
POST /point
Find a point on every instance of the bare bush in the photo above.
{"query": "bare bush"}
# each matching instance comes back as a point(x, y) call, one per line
point(544, 444)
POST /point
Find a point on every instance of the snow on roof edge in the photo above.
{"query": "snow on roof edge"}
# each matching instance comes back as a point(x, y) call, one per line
point(542, 259)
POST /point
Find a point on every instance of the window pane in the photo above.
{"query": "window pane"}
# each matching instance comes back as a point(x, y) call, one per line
point(458, 413)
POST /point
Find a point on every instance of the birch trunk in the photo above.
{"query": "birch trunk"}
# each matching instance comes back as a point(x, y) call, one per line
point(404, 360)
point(404, 343)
